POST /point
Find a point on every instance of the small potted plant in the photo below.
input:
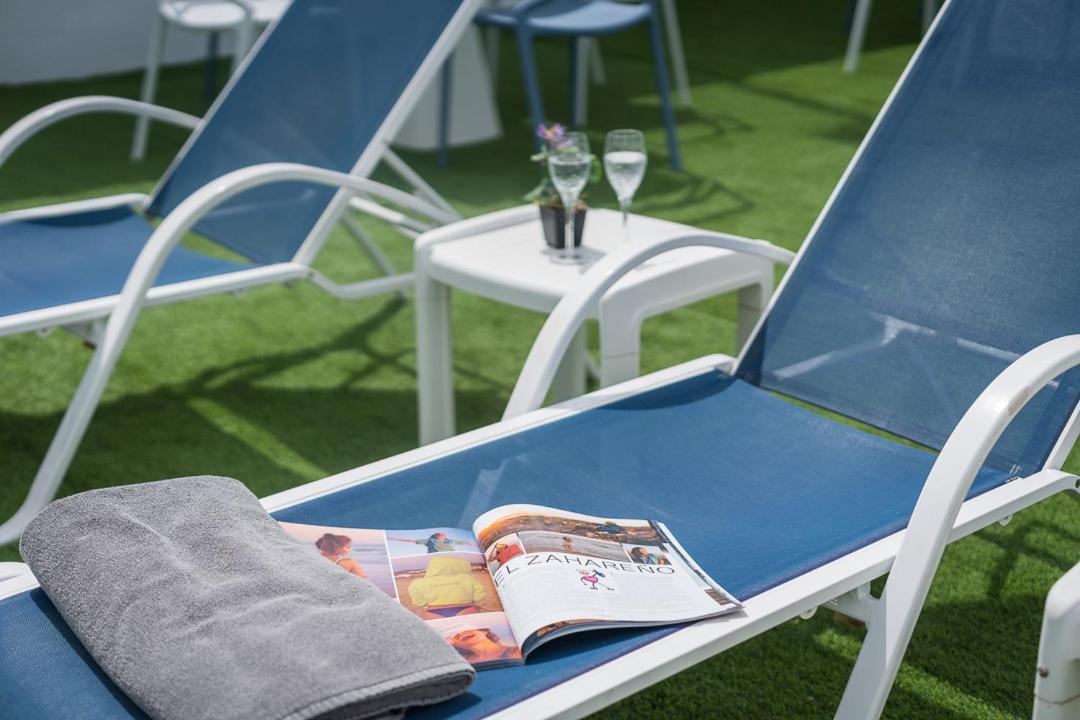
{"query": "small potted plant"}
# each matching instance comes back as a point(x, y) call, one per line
point(552, 214)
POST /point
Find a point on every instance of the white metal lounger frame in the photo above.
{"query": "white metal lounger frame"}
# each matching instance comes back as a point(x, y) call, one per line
point(838, 584)
point(85, 318)
point(940, 516)
point(940, 513)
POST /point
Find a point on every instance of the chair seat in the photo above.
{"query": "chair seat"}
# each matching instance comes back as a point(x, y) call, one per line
point(66, 258)
point(757, 490)
point(572, 18)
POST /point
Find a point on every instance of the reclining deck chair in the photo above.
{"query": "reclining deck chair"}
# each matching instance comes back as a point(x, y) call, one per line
point(935, 298)
point(328, 87)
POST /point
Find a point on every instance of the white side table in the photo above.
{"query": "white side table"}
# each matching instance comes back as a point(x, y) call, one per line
point(502, 256)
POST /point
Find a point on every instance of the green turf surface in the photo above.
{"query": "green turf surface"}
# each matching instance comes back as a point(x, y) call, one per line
point(282, 386)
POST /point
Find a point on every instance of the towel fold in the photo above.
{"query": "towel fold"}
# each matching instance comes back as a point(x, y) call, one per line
point(198, 605)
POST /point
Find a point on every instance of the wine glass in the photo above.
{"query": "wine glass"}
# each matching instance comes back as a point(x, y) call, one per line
point(569, 165)
point(624, 165)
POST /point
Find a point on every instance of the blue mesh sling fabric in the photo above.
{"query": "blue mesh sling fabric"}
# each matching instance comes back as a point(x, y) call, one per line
point(83, 255)
point(943, 258)
point(954, 246)
point(316, 93)
point(757, 489)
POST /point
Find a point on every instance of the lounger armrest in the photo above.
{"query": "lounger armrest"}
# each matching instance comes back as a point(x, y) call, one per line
point(142, 276)
point(554, 338)
point(946, 487)
point(15, 577)
point(10, 570)
point(41, 118)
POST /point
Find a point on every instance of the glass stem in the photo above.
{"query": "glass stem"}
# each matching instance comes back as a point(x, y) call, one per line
point(568, 238)
point(624, 205)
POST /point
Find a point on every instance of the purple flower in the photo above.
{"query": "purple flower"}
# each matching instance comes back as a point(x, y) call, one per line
point(550, 133)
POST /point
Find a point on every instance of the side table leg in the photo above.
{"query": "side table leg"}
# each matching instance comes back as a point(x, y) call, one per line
point(569, 379)
point(620, 316)
point(751, 304)
point(434, 361)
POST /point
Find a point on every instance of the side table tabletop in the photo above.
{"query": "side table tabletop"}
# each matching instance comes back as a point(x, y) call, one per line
point(502, 256)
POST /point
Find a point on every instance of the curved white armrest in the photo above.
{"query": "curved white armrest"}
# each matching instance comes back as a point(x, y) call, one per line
point(935, 514)
point(554, 338)
point(12, 570)
point(142, 276)
point(41, 118)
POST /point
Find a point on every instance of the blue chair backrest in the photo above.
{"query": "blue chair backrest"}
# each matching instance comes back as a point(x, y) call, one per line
point(953, 246)
point(318, 91)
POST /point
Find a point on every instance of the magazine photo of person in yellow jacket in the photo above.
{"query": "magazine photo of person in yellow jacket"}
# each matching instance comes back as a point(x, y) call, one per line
point(447, 588)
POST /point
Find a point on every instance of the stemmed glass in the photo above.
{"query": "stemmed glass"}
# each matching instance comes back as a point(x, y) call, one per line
point(569, 165)
point(624, 165)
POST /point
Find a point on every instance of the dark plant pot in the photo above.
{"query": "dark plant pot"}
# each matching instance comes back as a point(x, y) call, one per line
point(553, 219)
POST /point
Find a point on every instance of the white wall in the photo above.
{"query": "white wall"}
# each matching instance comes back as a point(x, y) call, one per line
point(58, 39)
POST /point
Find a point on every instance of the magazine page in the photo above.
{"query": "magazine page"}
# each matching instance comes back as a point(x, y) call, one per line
point(437, 573)
point(560, 572)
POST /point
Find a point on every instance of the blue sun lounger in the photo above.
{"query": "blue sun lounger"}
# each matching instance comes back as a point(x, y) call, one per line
point(327, 87)
point(935, 298)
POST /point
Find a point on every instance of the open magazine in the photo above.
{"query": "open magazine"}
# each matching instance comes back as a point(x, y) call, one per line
point(526, 574)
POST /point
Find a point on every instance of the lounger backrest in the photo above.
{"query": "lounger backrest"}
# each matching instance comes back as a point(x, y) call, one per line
point(324, 88)
point(952, 246)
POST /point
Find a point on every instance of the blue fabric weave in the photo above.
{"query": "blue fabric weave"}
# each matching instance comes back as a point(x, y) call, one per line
point(85, 255)
point(757, 489)
point(954, 246)
point(317, 91)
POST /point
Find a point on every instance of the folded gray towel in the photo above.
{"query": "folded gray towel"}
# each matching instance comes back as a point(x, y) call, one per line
point(198, 605)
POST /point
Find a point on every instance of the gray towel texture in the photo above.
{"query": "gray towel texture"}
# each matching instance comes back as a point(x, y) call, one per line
point(196, 603)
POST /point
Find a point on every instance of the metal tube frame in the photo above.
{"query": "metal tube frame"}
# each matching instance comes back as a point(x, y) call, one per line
point(124, 311)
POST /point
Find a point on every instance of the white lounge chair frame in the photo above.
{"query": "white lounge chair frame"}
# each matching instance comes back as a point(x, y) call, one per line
point(87, 318)
point(911, 556)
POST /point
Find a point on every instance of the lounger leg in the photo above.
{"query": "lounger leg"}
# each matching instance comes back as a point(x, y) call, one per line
point(418, 184)
point(68, 436)
point(386, 267)
point(149, 85)
point(434, 360)
point(660, 66)
point(678, 56)
point(858, 34)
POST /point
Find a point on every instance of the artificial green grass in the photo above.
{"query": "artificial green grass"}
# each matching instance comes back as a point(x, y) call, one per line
point(282, 386)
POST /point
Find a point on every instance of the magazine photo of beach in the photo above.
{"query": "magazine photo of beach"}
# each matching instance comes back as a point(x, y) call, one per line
point(402, 543)
point(541, 541)
point(564, 523)
point(445, 584)
point(360, 552)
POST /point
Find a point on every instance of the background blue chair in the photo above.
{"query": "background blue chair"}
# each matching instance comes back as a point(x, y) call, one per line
point(577, 19)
